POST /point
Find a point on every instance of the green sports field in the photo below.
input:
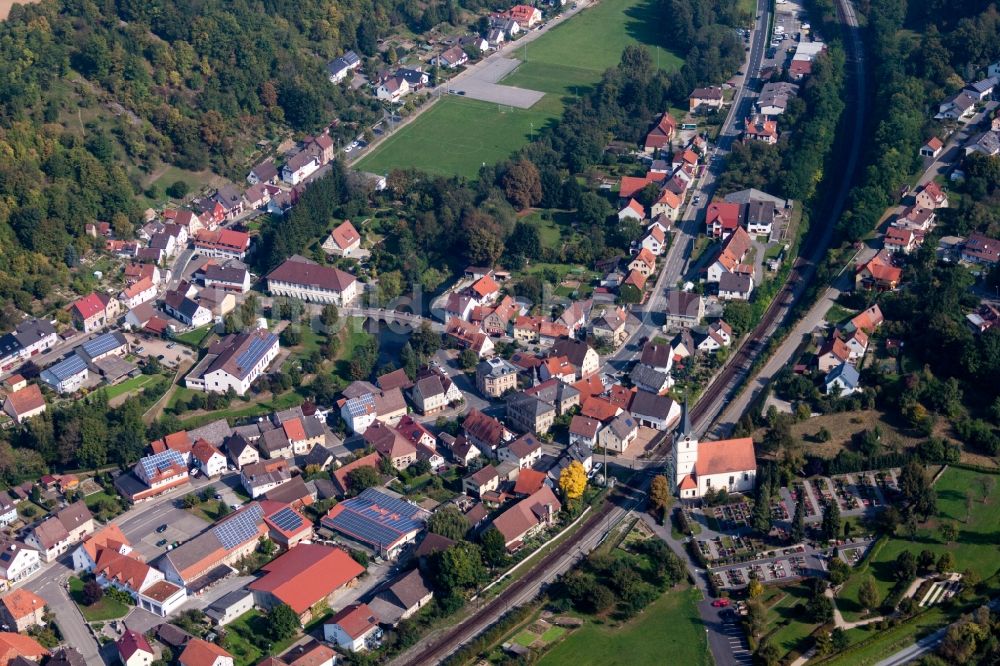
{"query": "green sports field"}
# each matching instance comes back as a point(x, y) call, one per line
point(669, 631)
point(570, 57)
point(457, 135)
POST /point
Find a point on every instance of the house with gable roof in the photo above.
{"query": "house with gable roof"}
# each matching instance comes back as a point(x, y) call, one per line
point(528, 517)
point(343, 241)
point(662, 134)
point(725, 464)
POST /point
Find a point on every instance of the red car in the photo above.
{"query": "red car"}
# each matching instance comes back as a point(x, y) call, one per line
point(720, 603)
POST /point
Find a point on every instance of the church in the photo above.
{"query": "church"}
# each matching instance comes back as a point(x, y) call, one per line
point(727, 463)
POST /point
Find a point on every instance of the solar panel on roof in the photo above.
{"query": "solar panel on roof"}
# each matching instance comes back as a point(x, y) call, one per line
point(162, 460)
point(258, 347)
point(67, 368)
point(287, 520)
point(360, 405)
point(102, 344)
point(239, 529)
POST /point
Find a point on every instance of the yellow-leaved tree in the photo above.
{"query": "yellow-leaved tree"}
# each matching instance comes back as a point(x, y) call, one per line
point(573, 481)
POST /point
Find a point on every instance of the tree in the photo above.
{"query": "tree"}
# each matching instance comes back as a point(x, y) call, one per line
point(525, 241)
point(755, 588)
point(949, 532)
point(573, 481)
point(522, 184)
point(925, 560)
point(868, 595)
point(659, 496)
point(458, 568)
point(448, 522)
point(906, 566)
point(840, 640)
point(819, 607)
point(760, 519)
point(494, 547)
point(946, 562)
point(362, 478)
point(838, 571)
point(92, 592)
point(799, 519)
point(329, 317)
point(283, 622)
point(177, 189)
point(468, 359)
point(831, 520)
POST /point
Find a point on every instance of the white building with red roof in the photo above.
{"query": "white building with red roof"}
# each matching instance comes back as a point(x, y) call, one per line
point(343, 241)
point(134, 649)
point(306, 280)
point(354, 628)
point(198, 652)
point(728, 464)
point(209, 459)
point(25, 403)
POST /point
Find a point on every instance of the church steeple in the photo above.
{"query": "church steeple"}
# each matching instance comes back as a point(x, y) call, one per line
point(685, 420)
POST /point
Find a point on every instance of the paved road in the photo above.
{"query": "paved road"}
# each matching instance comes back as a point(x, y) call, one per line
point(74, 630)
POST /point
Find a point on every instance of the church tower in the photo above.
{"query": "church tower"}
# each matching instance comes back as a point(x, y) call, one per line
point(685, 449)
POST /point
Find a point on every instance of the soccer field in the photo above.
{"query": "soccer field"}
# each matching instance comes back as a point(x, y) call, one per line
point(457, 135)
point(572, 56)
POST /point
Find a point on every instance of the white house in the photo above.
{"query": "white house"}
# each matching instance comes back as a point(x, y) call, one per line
point(632, 210)
point(235, 362)
point(17, 561)
point(354, 628)
point(208, 459)
point(524, 451)
point(299, 166)
point(339, 68)
point(842, 380)
point(393, 89)
point(137, 294)
point(66, 376)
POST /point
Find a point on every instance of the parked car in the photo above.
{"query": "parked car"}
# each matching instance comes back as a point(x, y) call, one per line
point(161, 543)
point(721, 603)
point(161, 529)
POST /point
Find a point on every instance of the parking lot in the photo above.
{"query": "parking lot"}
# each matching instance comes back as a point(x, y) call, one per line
point(181, 525)
point(172, 353)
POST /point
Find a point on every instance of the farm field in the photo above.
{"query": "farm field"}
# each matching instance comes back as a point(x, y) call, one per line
point(456, 136)
point(606, 30)
point(669, 626)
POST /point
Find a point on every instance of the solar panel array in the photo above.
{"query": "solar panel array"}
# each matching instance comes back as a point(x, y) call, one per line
point(67, 368)
point(258, 347)
point(103, 344)
point(376, 518)
point(239, 529)
point(287, 520)
point(363, 404)
point(162, 460)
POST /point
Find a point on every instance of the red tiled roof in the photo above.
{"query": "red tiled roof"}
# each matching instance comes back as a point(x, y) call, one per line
point(88, 306)
point(485, 286)
point(345, 235)
point(198, 652)
point(109, 536)
point(15, 645)
point(27, 399)
point(356, 620)
point(294, 430)
point(868, 320)
point(223, 238)
point(727, 455)
point(307, 574)
point(934, 143)
point(132, 642)
point(22, 603)
point(340, 475)
point(529, 481)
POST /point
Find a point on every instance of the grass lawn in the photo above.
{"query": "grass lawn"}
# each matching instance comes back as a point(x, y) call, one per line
point(352, 336)
point(196, 337)
point(785, 629)
point(669, 626)
point(838, 313)
point(551, 231)
point(102, 611)
point(974, 549)
point(242, 410)
point(133, 384)
point(890, 641)
point(457, 135)
point(606, 29)
point(209, 511)
point(238, 638)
